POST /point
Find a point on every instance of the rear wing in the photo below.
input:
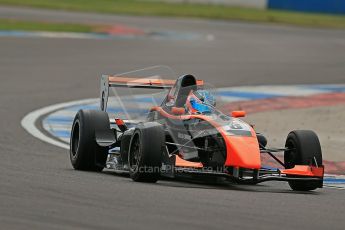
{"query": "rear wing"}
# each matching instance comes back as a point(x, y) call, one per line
point(132, 82)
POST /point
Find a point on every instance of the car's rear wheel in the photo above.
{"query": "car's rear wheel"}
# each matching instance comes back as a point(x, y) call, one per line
point(85, 153)
point(303, 149)
point(145, 152)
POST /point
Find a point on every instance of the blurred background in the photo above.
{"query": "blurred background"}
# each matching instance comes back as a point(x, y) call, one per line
point(283, 61)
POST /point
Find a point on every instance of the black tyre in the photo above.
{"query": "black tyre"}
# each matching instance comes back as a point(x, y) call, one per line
point(304, 149)
point(85, 153)
point(145, 152)
point(261, 139)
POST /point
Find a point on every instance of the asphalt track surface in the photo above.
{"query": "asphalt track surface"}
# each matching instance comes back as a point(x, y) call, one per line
point(40, 190)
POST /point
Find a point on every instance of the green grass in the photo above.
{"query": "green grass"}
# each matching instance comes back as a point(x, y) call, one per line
point(9, 24)
point(142, 7)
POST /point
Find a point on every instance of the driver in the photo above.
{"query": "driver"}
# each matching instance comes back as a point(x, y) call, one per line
point(200, 101)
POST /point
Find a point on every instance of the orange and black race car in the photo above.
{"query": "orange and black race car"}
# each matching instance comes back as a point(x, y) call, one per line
point(187, 136)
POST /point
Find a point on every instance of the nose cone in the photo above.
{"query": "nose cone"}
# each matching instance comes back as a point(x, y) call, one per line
point(243, 152)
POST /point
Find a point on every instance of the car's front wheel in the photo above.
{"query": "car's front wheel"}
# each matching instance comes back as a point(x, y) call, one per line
point(303, 149)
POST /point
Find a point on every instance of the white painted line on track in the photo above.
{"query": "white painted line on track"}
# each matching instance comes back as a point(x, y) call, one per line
point(334, 186)
point(28, 122)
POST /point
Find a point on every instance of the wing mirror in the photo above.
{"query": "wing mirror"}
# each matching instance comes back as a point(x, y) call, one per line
point(239, 113)
point(178, 111)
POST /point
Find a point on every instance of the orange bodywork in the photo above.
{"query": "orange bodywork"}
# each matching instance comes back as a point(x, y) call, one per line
point(304, 170)
point(238, 113)
point(242, 151)
point(177, 111)
point(183, 163)
point(119, 122)
point(133, 81)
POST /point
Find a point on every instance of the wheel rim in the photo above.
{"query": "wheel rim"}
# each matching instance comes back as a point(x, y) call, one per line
point(135, 153)
point(75, 139)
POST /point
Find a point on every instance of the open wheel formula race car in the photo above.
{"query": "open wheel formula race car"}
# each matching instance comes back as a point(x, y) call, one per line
point(185, 135)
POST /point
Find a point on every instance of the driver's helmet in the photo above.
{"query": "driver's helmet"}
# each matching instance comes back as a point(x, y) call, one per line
point(202, 101)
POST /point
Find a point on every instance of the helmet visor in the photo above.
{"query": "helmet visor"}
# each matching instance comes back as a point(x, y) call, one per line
point(200, 107)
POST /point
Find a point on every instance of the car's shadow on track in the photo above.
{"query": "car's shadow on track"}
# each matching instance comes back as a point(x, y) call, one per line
point(218, 185)
point(226, 185)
